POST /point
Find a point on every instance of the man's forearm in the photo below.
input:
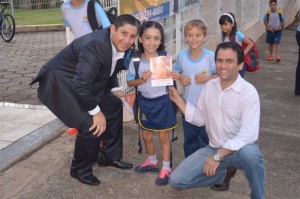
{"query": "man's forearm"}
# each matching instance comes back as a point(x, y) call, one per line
point(225, 152)
point(181, 103)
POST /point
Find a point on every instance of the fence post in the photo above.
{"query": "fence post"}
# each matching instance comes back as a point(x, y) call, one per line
point(178, 32)
point(12, 8)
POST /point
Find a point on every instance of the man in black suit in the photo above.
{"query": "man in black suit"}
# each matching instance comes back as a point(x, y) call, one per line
point(77, 86)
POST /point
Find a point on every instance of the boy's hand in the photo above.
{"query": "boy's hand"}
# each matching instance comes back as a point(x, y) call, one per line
point(201, 78)
point(269, 28)
point(184, 80)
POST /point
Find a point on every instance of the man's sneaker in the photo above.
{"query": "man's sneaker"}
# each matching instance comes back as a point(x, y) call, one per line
point(146, 167)
point(163, 178)
point(277, 58)
point(270, 58)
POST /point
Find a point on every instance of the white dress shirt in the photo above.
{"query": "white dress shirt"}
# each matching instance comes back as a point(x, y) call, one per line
point(115, 56)
point(231, 116)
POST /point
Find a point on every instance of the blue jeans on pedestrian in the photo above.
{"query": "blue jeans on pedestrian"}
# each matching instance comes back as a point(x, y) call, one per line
point(195, 137)
point(189, 173)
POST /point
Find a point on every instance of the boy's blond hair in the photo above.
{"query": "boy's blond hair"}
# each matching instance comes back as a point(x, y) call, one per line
point(195, 23)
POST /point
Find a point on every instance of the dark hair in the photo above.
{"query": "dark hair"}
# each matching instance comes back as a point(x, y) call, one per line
point(235, 47)
point(152, 24)
point(223, 19)
point(273, 1)
point(121, 20)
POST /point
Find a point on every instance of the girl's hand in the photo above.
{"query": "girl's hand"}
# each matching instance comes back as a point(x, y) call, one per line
point(201, 78)
point(184, 80)
point(175, 75)
point(146, 75)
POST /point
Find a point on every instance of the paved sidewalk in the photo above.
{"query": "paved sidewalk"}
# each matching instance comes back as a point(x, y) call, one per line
point(22, 116)
point(45, 174)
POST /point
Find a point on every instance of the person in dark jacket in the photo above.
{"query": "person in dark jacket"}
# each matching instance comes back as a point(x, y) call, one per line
point(78, 85)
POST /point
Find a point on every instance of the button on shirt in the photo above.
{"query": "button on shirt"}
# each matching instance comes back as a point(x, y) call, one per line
point(115, 57)
point(231, 116)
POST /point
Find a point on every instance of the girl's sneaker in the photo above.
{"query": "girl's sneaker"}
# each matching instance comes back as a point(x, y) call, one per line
point(277, 58)
point(146, 167)
point(163, 178)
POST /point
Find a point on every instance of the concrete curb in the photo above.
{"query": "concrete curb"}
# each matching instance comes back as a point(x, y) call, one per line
point(30, 143)
point(40, 28)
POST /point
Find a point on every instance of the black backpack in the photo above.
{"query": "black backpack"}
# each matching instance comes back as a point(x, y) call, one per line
point(112, 14)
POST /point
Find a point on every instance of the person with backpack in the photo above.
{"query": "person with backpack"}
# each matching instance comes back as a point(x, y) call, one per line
point(194, 67)
point(230, 32)
point(156, 112)
point(75, 16)
point(274, 22)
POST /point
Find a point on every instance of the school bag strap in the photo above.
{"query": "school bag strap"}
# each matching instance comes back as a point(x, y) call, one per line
point(91, 14)
point(279, 11)
point(112, 14)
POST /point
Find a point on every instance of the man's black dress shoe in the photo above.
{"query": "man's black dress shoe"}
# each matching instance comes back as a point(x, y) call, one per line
point(87, 178)
point(225, 186)
point(115, 163)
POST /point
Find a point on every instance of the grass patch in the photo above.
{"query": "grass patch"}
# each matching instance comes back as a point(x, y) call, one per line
point(37, 16)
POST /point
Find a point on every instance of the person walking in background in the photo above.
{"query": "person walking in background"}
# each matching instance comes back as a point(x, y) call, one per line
point(76, 85)
point(229, 107)
point(230, 33)
point(74, 13)
point(194, 67)
point(154, 105)
point(297, 83)
point(274, 22)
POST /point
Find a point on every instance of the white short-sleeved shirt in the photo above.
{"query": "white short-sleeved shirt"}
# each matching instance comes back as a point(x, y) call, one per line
point(146, 89)
point(190, 67)
point(274, 20)
point(77, 19)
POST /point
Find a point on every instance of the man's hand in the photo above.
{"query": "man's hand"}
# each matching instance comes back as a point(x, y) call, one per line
point(99, 124)
point(210, 167)
point(173, 93)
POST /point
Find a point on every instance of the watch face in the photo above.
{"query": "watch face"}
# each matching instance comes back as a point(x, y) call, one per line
point(217, 157)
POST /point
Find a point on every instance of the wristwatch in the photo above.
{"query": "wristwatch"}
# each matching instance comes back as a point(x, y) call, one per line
point(217, 157)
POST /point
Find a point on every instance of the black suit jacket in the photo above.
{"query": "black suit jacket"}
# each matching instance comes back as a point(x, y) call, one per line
point(75, 80)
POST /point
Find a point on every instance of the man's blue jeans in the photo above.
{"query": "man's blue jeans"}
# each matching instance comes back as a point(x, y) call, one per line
point(195, 137)
point(189, 173)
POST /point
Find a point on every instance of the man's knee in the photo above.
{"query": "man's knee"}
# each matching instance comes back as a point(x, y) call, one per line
point(175, 181)
point(251, 154)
